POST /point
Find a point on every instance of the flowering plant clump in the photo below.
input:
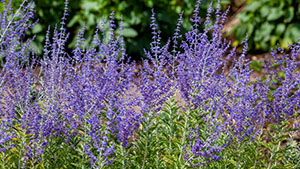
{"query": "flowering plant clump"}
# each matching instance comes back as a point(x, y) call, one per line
point(94, 108)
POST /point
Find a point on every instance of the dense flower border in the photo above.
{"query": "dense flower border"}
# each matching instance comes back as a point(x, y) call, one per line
point(93, 104)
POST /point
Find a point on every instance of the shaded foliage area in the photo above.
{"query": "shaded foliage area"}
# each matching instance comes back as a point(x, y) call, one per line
point(268, 22)
point(136, 19)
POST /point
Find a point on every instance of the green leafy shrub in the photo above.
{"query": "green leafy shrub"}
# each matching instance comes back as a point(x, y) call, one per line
point(136, 19)
point(160, 143)
point(268, 22)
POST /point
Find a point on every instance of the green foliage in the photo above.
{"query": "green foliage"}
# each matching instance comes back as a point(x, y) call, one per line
point(256, 65)
point(58, 154)
point(49, 13)
point(136, 18)
point(160, 144)
point(15, 4)
point(273, 148)
point(268, 22)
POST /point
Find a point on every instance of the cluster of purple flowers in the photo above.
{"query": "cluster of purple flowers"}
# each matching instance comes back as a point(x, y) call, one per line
point(98, 95)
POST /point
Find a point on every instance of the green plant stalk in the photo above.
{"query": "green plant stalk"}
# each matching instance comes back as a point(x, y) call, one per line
point(83, 159)
point(238, 155)
point(32, 164)
point(100, 161)
point(55, 155)
point(23, 140)
point(146, 146)
point(273, 152)
point(171, 136)
point(84, 141)
point(3, 160)
point(156, 160)
point(42, 162)
point(145, 155)
point(123, 160)
point(183, 136)
point(278, 147)
point(291, 139)
point(255, 163)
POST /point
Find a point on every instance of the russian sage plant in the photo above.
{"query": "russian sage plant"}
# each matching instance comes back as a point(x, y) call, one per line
point(95, 108)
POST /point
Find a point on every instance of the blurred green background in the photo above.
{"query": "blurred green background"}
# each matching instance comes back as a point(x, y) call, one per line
point(267, 22)
point(136, 17)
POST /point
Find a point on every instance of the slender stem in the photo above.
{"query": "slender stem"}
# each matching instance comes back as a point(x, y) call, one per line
point(145, 155)
point(273, 152)
point(3, 160)
point(278, 146)
point(21, 149)
point(123, 160)
point(100, 161)
point(146, 148)
point(238, 155)
point(269, 166)
point(186, 162)
point(184, 133)
point(279, 143)
point(84, 143)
